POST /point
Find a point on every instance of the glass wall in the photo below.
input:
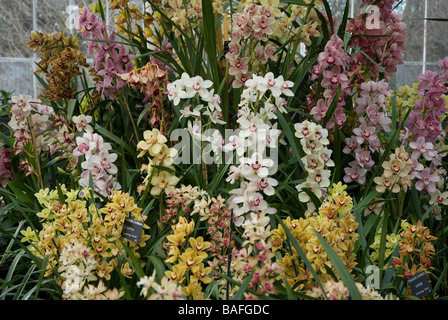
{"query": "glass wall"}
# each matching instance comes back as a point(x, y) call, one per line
point(18, 19)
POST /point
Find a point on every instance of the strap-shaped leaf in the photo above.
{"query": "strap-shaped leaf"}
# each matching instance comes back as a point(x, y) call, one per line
point(344, 21)
point(239, 294)
point(302, 254)
point(332, 107)
point(210, 40)
point(340, 269)
point(317, 203)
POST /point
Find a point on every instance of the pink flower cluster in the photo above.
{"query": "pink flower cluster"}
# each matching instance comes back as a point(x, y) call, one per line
point(6, 172)
point(425, 118)
point(425, 125)
point(98, 163)
point(253, 23)
point(381, 36)
point(27, 113)
point(110, 59)
point(29, 117)
point(332, 66)
point(371, 110)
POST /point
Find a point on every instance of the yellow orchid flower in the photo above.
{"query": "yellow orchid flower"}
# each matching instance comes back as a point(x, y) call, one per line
point(199, 245)
point(178, 273)
point(200, 273)
point(29, 235)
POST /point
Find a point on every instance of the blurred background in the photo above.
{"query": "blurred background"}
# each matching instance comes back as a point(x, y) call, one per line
point(427, 42)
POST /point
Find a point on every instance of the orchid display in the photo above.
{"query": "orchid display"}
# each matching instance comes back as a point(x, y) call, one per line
point(216, 150)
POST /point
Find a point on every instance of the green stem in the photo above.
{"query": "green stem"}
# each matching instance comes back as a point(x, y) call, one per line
point(36, 155)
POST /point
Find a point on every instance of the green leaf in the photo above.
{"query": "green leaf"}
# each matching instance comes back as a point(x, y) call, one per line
point(441, 278)
point(100, 5)
point(210, 40)
point(70, 108)
point(382, 248)
point(317, 203)
point(289, 292)
point(329, 16)
point(106, 133)
point(42, 81)
point(133, 261)
point(337, 154)
point(217, 179)
point(343, 25)
point(324, 27)
point(158, 266)
point(375, 63)
point(340, 269)
point(43, 267)
point(126, 288)
point(142, 114)
point(298, 2)
point(239, 294)
point(332, 106)
point(24, 282)
point(357, 213)
point(302, 254)
point(285, 121)
point(17, 188)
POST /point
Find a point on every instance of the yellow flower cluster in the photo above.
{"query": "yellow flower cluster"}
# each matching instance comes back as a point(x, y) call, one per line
point(396, 172)
point(67, 218)
point(154, 144)
point(77, 268)
point(334, 222)
point(189, 254)
point(392, 240)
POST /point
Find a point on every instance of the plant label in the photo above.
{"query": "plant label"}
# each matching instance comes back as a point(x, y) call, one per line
point(419, 284)
point(132, 229)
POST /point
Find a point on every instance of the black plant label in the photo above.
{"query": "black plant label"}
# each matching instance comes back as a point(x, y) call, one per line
point(419, 285)
point(132, 229)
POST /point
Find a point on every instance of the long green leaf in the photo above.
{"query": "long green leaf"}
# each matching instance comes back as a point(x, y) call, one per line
point(133, 261)
point(332, 106)
point(317, 203)
point(341, 269)
point(302, 254)
point(158, 266)
point(344, 21)
point(239, 294)
point(210, 40)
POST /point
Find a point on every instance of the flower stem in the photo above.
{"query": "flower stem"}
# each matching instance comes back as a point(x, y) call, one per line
point(36, 155)
point(132, 121)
